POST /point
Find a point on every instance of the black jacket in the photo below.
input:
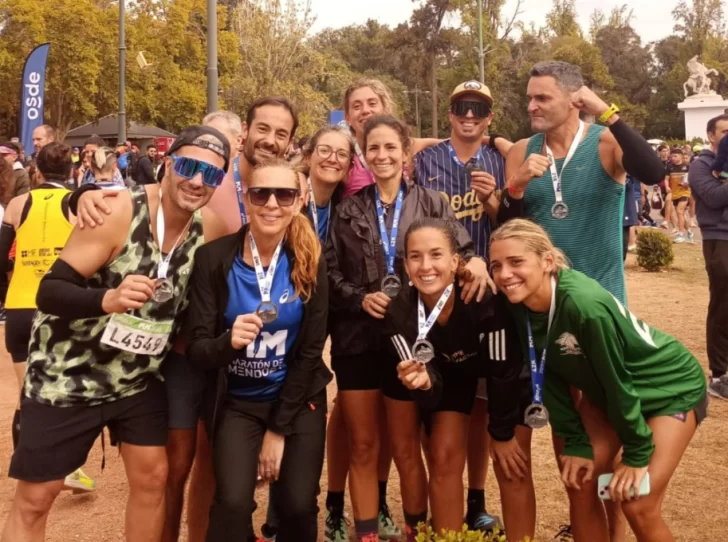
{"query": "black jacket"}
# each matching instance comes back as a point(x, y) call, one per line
point(357, 266)
point(480, 339)
point(208, 340)
point(144, 171)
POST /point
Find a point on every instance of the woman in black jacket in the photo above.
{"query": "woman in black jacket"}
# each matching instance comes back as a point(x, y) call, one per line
point(364, 255)
point(456, 344)
point(258, 311)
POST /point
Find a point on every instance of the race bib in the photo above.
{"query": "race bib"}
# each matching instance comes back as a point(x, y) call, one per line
point(132, 334)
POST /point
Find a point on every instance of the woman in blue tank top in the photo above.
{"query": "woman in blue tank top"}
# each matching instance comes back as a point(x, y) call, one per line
point(258, 310)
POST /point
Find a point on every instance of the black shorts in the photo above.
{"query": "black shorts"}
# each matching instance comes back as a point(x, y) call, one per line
point(18, 324)
point(392, 386)
point(678, 201)
point(360, 372)
point(55, 441)
point(459, 392)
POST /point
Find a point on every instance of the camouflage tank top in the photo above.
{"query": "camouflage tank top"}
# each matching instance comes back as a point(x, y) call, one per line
point(67, 362)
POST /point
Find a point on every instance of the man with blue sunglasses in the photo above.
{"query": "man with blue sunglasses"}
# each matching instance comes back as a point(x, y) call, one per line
point(107, 317)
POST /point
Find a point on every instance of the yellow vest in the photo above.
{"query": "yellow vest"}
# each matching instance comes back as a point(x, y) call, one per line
point(39, 241)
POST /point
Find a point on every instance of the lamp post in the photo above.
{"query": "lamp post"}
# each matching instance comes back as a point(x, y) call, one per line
point(481, 53)
point(211, 56)
point(122, 73)
point(417, 93)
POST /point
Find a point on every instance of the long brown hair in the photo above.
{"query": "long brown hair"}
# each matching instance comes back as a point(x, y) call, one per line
point(7, 182)
point(300, 238)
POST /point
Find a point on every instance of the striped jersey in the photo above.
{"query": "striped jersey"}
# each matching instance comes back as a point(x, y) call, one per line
point(437, 169)
point(591, 234)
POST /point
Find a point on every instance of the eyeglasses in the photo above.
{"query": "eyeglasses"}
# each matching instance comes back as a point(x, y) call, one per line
point(189, 167)
point(325, 152)
point(480, 109)
point(284, 196)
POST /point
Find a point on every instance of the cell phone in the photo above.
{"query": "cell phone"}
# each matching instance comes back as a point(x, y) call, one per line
point(605, 479)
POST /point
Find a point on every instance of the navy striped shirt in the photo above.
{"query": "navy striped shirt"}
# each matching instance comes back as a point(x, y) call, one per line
point(436, 169)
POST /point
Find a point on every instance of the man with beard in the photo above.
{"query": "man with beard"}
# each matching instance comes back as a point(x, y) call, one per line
point(42, 135)
point(101, 332)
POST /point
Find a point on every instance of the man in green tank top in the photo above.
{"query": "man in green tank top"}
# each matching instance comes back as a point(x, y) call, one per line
point(106, 317)
point(570, 176)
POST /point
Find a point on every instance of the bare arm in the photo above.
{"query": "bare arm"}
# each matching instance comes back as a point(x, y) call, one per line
point(213, 225)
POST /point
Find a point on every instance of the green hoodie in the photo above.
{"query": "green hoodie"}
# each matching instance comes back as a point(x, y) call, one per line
point(629, 370)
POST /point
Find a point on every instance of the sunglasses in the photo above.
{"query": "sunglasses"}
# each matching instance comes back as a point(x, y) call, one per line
point(284, 196)
point(480, 109)
point(189, 167)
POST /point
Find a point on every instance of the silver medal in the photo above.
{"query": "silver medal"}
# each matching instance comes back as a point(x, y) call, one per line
point(536, 416)
point(163, 291)
point(423, 351)
point(391, 286)
point(560, 210)
point(267, 312)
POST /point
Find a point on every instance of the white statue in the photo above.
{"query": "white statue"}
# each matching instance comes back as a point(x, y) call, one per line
point(699, 81)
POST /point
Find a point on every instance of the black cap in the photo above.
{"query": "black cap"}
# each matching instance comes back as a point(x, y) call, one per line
point(192, 136)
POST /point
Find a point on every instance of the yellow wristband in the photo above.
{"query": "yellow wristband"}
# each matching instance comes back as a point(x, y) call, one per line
point(613, 109)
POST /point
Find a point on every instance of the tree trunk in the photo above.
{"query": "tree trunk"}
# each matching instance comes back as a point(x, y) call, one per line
point(433, 92)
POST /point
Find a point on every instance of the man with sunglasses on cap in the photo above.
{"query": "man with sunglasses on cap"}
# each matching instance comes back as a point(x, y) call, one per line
point(469, 173)
point(106, 317)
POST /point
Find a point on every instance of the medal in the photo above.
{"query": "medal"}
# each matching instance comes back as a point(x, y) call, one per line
point(266, 311)
point(560, 210)
point(423, 351)
point(164, 289)
point(536, 415)
point(391, 286)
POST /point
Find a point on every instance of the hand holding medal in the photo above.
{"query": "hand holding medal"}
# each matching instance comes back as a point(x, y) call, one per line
point(244, 331)
point(131, 294)
point(423, 351)
point(414, 375)
point(267, 311)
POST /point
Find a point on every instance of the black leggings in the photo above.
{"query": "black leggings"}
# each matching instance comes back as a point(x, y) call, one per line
point(237, 444)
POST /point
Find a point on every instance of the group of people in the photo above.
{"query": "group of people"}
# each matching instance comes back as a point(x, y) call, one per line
point(471, 286)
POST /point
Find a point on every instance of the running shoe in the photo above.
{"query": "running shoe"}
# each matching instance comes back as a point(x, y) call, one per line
point(718, 387)
point(387, 528)
point(484, 522)
point(691, 236)
point(79, 482)
point(335, 527)
point(632, 249)
point(679, 239)
point(564, 534)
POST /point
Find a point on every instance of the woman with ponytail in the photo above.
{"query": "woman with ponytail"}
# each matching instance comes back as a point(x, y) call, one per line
point(258, 311)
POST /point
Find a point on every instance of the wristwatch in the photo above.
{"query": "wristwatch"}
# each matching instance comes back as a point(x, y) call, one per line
point(613, 109)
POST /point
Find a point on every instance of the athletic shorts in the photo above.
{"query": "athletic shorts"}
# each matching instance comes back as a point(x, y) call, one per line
point(701, 411)
point(55, 441)
point(392, 386)
point(678, 201)
point(360, 372)
point(185, 385)
point(18, 324)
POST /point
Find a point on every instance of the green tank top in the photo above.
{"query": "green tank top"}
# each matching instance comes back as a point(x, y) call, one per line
point(591, 235)
point(67, 362)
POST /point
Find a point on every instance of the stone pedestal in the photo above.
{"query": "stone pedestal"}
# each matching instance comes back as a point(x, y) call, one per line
point(699, 109)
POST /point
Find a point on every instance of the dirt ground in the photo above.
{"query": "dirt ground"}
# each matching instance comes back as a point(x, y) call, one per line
point(674, 301)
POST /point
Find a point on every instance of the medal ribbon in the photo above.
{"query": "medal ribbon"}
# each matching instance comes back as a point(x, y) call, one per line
point(555, 176)
point(454, 156)
point(360, 154)
point(423, 325)
point(389, 243)
point(163, 265)
point(314, 211)
point(265, 281)
point(537, 371)
point(239, 189)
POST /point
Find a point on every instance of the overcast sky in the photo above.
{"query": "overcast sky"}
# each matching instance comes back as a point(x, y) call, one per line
point(652, 18)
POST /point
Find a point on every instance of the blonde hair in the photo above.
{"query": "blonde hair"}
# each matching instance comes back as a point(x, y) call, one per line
point(103, 160)
point(534, 237)
point(379, 88)
point(300, 238)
